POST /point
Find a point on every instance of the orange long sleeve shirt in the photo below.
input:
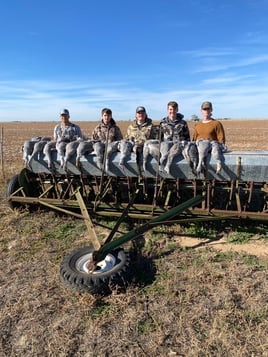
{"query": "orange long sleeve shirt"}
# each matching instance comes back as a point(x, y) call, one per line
point(212, 130)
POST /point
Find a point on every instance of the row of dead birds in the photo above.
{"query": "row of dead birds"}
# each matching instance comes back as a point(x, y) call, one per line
point(195, 153)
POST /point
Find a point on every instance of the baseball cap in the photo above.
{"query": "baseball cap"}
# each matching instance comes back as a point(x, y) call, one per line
point(140, 109)
point(64, 112)
point(206, 105)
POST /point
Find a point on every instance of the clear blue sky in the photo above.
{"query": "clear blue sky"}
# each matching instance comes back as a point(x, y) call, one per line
point(88, 54)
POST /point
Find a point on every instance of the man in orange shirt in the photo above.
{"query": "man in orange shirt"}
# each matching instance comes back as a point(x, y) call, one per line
point(209, 128)
point(209, 137)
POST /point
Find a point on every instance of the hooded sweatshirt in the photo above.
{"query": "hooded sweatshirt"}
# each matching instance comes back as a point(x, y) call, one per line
point(139, 133)
point(174, 130)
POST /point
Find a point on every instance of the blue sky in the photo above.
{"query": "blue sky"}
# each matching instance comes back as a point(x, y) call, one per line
point(88, 54)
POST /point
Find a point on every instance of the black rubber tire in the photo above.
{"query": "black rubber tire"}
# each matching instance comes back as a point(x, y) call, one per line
point(111, 271)
point(13, 186)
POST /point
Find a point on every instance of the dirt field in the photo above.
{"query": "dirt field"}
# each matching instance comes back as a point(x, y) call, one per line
point(240, 135)
point(194, 292)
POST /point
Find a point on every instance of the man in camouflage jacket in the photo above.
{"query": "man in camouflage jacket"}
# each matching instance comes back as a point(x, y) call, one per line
point(105, 135)
point(141, 129)
point(107, 123)
point(65, 130)
point(173, 127)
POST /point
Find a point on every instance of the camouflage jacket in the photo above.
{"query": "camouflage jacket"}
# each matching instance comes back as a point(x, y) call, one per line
point(67, 133)
point(139, 133)
point(100, 132)
point(174, 130)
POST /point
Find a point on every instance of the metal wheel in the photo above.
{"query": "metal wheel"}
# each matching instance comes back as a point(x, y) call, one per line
point(112, 270)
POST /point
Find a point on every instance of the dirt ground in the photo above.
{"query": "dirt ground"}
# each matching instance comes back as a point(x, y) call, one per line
point(255, 247)
point(240, 134)
point(248, 135)
point(189, 296)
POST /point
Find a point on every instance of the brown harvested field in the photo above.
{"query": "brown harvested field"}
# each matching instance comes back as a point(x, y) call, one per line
point(195, 291)
point(240, 135)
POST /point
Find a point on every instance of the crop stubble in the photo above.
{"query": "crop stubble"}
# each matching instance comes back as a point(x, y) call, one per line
point(240, 135)
point(197, 304)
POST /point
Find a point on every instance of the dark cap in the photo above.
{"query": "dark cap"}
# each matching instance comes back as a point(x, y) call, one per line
point(64, 112)
point(206, 105)
point(140, 109)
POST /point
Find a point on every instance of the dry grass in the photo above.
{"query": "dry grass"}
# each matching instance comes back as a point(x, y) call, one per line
point(181, 302)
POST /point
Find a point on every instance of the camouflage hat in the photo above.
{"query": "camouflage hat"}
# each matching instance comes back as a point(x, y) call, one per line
point(206, 105)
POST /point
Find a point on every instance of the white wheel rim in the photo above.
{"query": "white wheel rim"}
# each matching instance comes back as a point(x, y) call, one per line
point(103, 266)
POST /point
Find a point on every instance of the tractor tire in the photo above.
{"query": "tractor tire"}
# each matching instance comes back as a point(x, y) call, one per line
point(13, 186)
point(111, 271)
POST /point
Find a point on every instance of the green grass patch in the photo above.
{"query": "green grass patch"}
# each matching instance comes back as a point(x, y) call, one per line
point(200, 231)
point(100, 309)
point(253, 261)
point(223, 256)
point(239, 237)
point(65, 232)
point(145, 326)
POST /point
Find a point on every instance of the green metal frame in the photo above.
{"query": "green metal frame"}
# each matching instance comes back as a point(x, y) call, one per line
point(100, 251)
point(168, 215)
point(155, 216)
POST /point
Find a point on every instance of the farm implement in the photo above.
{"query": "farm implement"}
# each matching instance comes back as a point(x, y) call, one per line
point(238, 191)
